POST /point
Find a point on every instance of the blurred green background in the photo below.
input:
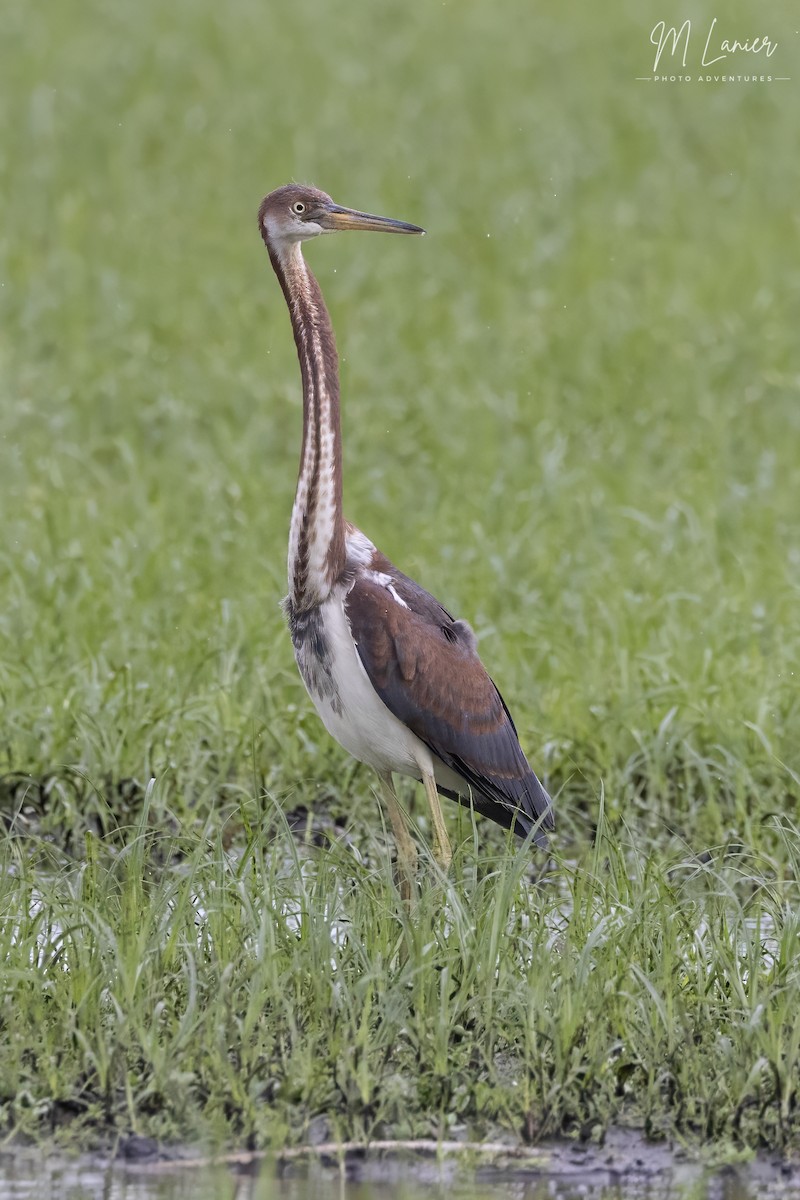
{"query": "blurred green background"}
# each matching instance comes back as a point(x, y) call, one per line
point(572, 411)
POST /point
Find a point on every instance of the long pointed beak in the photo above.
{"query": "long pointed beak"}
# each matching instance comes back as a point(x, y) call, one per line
point(337, 218)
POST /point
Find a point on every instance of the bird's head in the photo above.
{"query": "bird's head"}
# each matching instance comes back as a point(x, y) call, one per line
point(294, 213)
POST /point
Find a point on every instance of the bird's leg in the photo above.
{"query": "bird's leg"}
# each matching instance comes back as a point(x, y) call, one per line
point(441, 842)
point(406, 850)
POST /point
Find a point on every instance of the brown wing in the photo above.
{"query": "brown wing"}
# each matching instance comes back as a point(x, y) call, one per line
point(426, 670)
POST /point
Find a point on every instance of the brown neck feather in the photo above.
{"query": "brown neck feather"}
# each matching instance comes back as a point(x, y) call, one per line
point(316, 537)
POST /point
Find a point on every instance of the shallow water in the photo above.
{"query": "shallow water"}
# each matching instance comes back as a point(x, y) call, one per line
point(24, 1176)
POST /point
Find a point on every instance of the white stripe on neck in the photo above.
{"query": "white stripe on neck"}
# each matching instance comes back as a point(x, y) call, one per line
point(319, 444)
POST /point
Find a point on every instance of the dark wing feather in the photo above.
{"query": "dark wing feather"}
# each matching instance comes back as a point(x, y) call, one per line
point(426, 670)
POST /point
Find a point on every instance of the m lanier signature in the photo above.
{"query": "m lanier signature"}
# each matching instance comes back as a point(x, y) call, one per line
point(715, 49)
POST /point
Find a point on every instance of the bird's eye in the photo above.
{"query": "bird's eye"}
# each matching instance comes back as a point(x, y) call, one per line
point(298, 207)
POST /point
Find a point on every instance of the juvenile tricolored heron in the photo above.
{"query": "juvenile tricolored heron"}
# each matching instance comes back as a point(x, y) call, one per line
point(396, 680)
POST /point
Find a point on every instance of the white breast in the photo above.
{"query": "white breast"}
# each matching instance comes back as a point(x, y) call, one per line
point(357, 717)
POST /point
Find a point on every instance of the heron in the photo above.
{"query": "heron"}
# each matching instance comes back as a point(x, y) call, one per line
point(394, 676)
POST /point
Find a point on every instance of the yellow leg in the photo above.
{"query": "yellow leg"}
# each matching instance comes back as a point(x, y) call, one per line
point(406, 850)
point(441, 843)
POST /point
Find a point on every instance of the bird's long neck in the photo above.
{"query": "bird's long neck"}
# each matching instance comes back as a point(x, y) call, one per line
point(316, 536)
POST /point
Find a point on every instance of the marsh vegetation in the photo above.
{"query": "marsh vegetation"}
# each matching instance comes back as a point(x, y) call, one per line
point(572, 411)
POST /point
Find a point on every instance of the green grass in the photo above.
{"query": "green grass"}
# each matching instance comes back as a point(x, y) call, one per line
point(177, 989)
point(572, 411)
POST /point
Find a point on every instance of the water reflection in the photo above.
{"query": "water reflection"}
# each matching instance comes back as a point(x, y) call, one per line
point(24, 1177)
